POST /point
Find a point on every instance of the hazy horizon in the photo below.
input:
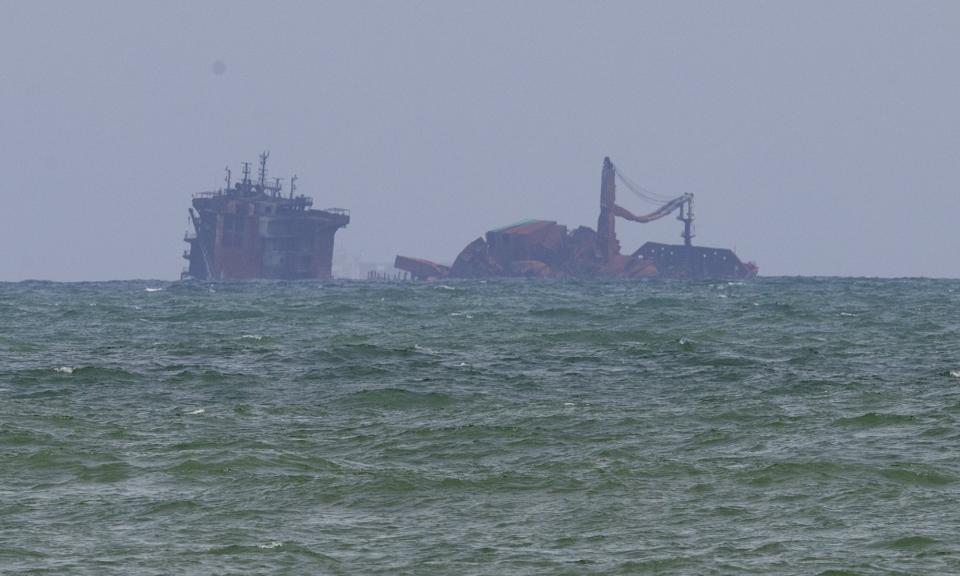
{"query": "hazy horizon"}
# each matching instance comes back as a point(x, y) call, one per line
point(820, 138)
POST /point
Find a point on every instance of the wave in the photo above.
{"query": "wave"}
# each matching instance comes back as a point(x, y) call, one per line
point(397, 399)
point(907, 543)
point(915, 474)
point(73, 374)
point(871, 419)
point(562, 313)
point(287, 549)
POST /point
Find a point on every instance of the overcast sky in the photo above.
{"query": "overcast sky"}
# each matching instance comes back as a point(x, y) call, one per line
point(819, 137)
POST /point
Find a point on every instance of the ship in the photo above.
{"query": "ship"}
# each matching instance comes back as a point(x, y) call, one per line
point(544, 248)
point(252, 229)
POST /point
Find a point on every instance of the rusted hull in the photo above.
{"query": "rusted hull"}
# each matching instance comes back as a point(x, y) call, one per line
point(421, 269)
point(232, 247)
point(695, 262)
point(543, 248)
point(570, 259)
point(251, 230)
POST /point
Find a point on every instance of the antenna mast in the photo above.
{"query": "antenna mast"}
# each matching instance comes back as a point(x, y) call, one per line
point(263, 168)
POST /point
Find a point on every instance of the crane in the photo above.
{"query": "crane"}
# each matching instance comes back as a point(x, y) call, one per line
point(609, 209)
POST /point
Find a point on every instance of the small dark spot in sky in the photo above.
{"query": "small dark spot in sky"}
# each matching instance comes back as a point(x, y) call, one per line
point(219, 67)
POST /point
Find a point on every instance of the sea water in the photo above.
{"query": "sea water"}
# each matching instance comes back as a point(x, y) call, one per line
point(774, 426)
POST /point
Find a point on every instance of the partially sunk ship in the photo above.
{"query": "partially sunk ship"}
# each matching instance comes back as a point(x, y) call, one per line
point(543, 248)
point(251, 229)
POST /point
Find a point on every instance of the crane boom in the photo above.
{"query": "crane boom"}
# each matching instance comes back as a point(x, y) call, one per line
point(609, 246)
point(666, 206)
point(657, 214)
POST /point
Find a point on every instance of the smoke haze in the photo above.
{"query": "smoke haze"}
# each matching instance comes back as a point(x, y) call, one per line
point(820, 138)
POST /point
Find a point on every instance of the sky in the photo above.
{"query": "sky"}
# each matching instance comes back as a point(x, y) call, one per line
point(819, 137)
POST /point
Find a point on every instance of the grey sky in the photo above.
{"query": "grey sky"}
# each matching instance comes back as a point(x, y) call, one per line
point(818, 137)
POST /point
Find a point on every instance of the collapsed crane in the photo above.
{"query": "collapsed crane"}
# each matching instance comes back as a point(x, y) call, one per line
point(610, 210)
point(543, 248)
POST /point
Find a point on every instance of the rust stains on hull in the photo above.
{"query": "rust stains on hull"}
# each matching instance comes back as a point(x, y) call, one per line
point(543, 248)
point(252, 230)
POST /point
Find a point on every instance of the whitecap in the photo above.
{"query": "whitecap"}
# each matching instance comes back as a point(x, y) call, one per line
point(64, 370)
point(955, 373)
point(196, 412)
point(270, 545)
point(445, 287)
point(848, 314)
point(153, 289)
point(251, 337)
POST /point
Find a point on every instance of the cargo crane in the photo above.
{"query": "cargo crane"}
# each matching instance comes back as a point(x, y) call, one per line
point(609, 209)
point(544, 248)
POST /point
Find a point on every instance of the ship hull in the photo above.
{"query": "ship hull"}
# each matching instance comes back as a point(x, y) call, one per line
point(252, 232)
point(695, 262)
point(231, 246)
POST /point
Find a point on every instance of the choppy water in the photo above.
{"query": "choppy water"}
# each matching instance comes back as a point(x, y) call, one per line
point(780, 426)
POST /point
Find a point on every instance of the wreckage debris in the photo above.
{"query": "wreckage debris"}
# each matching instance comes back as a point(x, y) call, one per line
point(543, 248)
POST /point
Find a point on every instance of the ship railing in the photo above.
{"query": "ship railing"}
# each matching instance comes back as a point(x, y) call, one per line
point(340, 211)
point(189, 236)
point(211, 194)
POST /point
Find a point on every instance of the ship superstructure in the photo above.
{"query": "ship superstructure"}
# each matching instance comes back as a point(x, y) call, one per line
point(252, 229)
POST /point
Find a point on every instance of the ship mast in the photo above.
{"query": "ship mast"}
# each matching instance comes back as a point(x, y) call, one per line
point(687, 219)
point(263, 168)
point(606, 224)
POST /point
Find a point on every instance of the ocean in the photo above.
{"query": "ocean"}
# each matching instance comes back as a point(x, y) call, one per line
point(773, 426)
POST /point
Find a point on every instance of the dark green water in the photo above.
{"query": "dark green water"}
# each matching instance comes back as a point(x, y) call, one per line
point(781, 426)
